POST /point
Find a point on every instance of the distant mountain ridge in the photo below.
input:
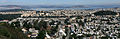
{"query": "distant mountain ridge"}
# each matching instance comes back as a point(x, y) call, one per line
point(54, 6)
point(43, 6)
point(14, 10)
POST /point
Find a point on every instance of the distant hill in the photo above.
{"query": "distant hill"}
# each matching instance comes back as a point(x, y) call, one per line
point(105, 13)
point(43, 6)
point(59, 6)
point(14, 10)
point(79, 6)
point(2, 7)
point(9, 6)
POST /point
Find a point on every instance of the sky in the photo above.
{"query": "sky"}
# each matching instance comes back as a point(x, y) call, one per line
point(58, 2)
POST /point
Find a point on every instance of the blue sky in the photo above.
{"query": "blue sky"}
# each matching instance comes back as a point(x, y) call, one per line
point(58, 2)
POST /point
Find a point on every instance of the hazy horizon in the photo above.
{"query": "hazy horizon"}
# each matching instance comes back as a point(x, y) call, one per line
point(59, 2)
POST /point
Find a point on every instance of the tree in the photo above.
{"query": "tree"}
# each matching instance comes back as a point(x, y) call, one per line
point(41, 35)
